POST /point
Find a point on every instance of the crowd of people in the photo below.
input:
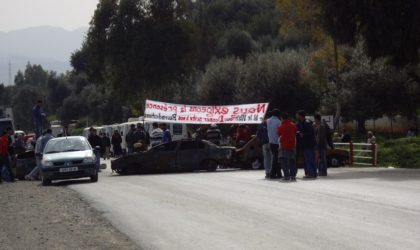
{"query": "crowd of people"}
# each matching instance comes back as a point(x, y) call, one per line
point(284, 141)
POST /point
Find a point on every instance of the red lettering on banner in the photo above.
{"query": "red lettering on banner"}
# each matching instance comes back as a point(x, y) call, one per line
point(261, 107)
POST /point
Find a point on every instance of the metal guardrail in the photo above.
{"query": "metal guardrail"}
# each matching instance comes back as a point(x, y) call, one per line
point(365, 154)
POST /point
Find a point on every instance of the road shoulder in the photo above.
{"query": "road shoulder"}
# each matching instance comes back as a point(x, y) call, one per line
point(54, 217)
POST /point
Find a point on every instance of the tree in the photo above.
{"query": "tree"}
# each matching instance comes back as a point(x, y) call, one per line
point(389, 28)
point(5, 95)
point(22, 103)
point(235, 43)
point(220, 82)
point(135, 47)
point(276, 77)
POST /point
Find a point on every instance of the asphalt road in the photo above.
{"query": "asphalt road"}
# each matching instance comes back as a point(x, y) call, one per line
point(351, 209)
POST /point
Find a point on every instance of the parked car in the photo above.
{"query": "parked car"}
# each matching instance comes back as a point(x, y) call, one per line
point(181, 155)
point(248, 154)
point(68, 158)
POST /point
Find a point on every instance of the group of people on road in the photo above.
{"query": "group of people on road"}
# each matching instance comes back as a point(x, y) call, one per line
point(284, 141)
point(138, 139)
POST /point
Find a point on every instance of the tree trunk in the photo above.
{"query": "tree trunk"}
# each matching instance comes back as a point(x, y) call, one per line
point(361, 126)
point(338, 88)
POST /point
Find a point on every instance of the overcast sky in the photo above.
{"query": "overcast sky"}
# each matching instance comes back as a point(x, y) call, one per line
point(68, 14)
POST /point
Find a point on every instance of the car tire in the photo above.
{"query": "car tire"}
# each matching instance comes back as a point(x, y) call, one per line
point(45, 181)
point(210, 165)
point(94, 178)
point(334, 162)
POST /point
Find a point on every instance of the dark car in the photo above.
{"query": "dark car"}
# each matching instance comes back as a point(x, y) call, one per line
point(68, 158)
point(182, 155)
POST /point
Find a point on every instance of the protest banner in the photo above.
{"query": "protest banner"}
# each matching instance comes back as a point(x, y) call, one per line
point(194, 114)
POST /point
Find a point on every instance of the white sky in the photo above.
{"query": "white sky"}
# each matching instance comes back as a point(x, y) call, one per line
point(68, 14)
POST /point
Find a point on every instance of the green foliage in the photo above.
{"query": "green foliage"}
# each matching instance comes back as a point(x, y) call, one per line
point(404, 152)
point(134, 46)
point(220, 81)
point(276, 77)
point(22, 102)
point(373, 88)
point(389, 28)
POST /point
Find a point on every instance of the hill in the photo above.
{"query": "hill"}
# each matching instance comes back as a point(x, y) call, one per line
point(49, 46)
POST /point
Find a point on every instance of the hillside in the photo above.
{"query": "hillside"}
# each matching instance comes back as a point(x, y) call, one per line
point(49, 46)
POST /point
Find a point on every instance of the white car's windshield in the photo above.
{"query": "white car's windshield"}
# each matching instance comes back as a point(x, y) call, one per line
point(66, 145)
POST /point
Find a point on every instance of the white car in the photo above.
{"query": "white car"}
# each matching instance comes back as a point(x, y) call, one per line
point(68, 158)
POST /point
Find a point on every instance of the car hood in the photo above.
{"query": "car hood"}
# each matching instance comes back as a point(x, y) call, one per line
point(68, 155)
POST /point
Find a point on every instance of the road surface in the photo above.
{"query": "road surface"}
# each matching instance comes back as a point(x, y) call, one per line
point(364, 208)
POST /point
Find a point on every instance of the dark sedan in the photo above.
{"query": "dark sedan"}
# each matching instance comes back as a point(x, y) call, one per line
point(182, 155)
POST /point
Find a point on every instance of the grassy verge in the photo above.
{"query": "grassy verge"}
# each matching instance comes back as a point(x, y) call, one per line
point(403, 152)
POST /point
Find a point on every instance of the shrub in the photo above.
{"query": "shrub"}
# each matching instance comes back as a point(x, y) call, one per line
point(404, 153)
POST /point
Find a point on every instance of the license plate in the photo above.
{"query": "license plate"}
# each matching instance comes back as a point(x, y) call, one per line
point(72, 169)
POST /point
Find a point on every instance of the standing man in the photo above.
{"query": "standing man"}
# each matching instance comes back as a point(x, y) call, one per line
point(38, 116)
point(308, 143)
point(129, 139)
point(272, 124)
point(4, 157)
point(41, 142)
point(166, 134)
point(287, 133)
point(262, 135)
point(213, 134)
point(156, 135)
point(95, 141)
point(116, 143)
point(140, 136)
point(106, 142)
point(323, 138)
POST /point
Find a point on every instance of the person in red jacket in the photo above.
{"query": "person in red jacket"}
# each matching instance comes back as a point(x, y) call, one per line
point(4, 157)
point(287, 134)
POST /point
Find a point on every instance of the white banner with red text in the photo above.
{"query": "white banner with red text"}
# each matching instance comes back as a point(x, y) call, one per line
point(194, 114)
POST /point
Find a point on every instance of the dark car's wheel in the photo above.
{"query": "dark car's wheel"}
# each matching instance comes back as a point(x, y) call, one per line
point(334, 161)
point(210, 165)
point(45, 181)
point(94, 178)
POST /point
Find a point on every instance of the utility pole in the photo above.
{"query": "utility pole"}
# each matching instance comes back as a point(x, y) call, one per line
point(10, 72)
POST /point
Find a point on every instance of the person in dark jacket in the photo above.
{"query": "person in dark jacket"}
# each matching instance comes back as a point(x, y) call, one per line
point(106, 143)
point(213, 134)
point(129, 139)
point(116, 143)
point(323, 139)
point(95, 141)
point(38, 116)
point(308, 143)
point(345, 136)
point(167, 137)
point(140, 136)
point(262, 135)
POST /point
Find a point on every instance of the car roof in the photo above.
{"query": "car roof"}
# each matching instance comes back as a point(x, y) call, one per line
point(68, 137)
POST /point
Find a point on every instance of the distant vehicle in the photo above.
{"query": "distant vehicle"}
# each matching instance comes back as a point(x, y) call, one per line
point(68, 158)
point(6, 119)
point(181, 155)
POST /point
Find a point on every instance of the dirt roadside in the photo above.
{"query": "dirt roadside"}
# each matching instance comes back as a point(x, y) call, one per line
point(54, 217)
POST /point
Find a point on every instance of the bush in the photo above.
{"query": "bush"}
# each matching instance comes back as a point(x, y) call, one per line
point(404, 153)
